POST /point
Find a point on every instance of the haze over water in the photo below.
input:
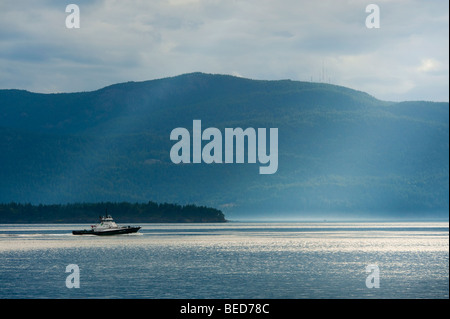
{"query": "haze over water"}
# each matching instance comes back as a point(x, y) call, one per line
point(231, 260)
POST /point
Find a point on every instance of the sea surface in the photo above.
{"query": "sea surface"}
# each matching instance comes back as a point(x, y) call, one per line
point(237, 260)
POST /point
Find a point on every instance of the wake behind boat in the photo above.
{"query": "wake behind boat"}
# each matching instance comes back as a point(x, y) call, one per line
point(106, 227)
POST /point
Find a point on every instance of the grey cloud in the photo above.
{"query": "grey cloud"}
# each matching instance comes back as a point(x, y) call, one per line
point(140, 40)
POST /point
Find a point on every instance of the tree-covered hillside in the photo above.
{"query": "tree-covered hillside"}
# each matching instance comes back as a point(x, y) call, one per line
point(340, 150)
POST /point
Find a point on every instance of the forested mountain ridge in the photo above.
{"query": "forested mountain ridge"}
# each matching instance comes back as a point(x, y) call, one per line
point(340, 150)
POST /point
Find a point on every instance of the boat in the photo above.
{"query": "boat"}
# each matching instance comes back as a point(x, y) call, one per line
point(107, 226)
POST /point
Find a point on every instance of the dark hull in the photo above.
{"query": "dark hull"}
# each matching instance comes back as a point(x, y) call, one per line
point(119, 231)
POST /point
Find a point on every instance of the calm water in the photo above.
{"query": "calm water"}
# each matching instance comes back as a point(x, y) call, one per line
point(232, 260)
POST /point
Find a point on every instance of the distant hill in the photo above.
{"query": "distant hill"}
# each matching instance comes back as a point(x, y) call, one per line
point(340, 150)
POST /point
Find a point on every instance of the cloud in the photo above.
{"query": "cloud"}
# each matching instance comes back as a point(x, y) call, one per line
point(302, 40)
point(430, 65)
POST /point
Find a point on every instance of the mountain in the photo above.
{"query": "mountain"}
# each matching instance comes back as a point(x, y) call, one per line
point(340, 151)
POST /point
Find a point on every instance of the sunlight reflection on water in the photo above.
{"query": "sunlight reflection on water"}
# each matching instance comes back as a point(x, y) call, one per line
point(232, 260)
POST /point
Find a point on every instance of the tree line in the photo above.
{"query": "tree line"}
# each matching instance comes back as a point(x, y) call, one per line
point(150, 212)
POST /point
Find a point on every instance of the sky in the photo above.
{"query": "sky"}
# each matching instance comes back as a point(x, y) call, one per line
point(406, 58)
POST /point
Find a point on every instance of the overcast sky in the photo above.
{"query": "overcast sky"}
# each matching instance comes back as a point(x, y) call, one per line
point(407, 58)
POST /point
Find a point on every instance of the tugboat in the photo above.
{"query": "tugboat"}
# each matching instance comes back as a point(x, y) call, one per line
point(106, 227)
